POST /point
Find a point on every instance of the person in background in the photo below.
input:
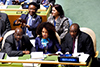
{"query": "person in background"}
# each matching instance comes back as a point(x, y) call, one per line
point(18, 44)
point(45, 2)
point(77, 41)
point(58, 19)
point(17, 2)
point(2, 2)
point(30, 21)
point(47, 41)
point(4, 26)
point(9, 2)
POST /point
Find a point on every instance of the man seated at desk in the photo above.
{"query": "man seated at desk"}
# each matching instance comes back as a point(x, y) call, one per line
point(4, 26)
point(18, 44)
point(31, 21)
point(77, 41)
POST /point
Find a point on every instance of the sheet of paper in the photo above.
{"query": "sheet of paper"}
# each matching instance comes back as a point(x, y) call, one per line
point(12, 58)
point(3, 7)
point(37, 55)
point(42, 7)
point(82, 57)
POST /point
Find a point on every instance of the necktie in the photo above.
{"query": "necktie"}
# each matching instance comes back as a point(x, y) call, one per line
point(18, 46)
point(73, 45)
point(29, 33)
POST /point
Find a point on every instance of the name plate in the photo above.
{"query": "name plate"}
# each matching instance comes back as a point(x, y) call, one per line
point(68, 59)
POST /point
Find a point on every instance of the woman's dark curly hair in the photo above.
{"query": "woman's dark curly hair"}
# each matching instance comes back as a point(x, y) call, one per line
point(49, 27)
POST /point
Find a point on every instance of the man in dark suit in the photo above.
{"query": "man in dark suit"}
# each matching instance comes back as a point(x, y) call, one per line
point(4, 26)
point(30, 21)
point(18, 44)
point(77, 41)
point(51, 2)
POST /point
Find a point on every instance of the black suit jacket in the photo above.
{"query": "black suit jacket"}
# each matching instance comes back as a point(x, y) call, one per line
point(4, 24)
point(10, 46)
point(85, 44)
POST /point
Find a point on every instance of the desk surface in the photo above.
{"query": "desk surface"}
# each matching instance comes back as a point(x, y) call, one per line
point(44, 62)
point(14, 10)
point(23, 60)
point(18, 8)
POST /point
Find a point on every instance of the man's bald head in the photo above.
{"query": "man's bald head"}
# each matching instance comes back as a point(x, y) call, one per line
point(75, 26)
point(74, 30)
point(18, 34)
point(18, 30)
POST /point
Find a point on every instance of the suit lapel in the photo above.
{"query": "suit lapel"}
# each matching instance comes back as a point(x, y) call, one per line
point(15, 45)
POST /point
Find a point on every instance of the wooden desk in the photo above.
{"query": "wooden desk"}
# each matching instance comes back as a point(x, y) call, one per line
point(12, 12)
point(43, 62)
point(24, 57)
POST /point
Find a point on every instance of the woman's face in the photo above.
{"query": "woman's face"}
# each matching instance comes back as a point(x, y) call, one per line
point(44, 33)
point(55, 13)
point(32, 9)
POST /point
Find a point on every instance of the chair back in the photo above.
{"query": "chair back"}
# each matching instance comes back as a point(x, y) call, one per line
point(5, 36)
point(58, 37)
point(92, 35)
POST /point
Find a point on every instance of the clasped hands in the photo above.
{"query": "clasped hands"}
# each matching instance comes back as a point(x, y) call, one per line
point(26, 52)
point(22, 22)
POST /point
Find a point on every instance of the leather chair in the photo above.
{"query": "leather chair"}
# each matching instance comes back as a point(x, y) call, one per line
point(58, 37)
point(5, 36)
point(92, 35)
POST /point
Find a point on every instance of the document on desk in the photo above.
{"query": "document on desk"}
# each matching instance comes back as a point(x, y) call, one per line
point(3, 7)
point(42, 7)
point(12, 58)
point(82, 57)
point(37, 55)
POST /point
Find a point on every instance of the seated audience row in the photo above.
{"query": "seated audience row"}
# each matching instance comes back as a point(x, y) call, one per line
point(72, 39)
point(45, 3)
point(75, 41)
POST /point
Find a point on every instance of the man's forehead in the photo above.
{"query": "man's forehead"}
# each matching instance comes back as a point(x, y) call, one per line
point(73, 27)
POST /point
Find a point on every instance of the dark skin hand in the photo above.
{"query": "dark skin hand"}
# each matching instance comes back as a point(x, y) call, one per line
point(26, 52)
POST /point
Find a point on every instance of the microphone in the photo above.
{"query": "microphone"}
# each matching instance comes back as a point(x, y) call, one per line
point(45, 49)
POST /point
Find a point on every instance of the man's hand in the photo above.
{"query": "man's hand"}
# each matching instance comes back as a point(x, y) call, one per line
point(67, 53)
point(26, 52)
point(1, 38)
point(18, 21)
point(23, 25)
point(27, 26)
